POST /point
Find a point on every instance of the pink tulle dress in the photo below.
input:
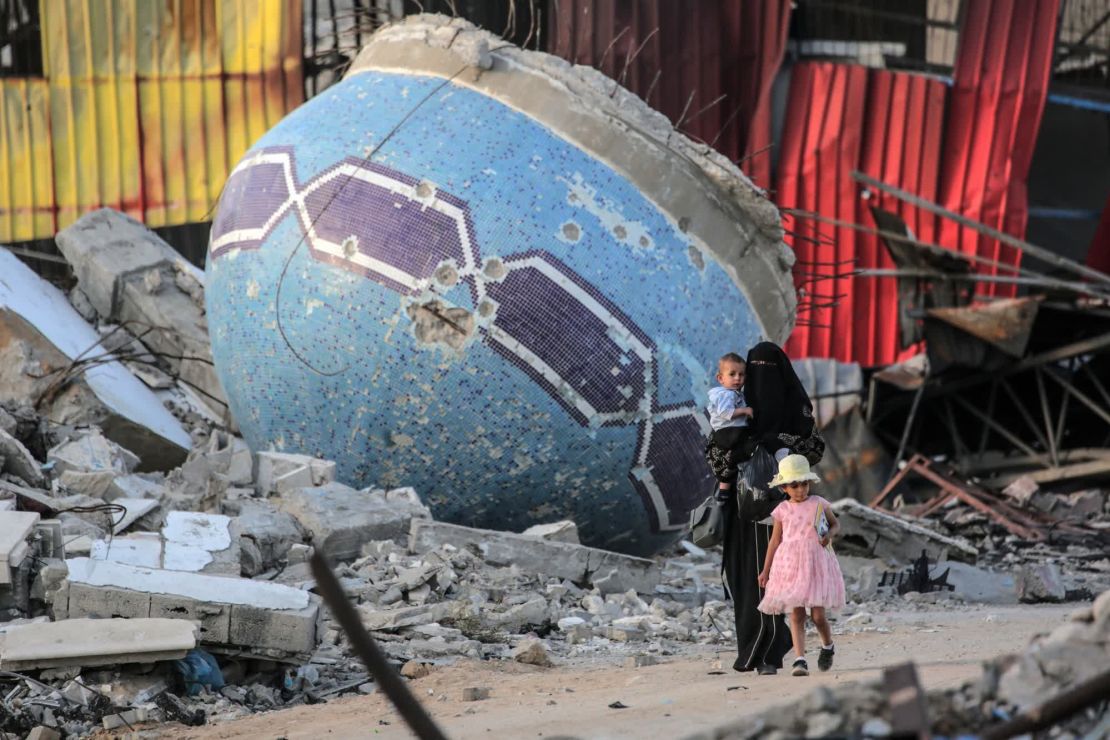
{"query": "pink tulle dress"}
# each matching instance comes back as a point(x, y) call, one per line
point(803, 573)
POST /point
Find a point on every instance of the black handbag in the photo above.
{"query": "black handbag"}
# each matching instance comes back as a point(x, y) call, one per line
point(707, 523)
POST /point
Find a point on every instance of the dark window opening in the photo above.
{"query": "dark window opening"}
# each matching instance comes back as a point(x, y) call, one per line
point(20, 39)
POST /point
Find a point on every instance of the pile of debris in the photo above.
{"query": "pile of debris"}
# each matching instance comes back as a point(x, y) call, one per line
point(152, 567)
point(1055, 543)
point(1058, 685)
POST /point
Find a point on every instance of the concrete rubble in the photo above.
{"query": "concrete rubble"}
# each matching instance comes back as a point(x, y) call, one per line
point(131, 277)
point(94, 642)
point(1050, 665)
point(142, 543)
point(130, 555)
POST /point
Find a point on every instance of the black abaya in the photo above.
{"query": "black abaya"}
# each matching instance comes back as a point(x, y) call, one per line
point(761, 639)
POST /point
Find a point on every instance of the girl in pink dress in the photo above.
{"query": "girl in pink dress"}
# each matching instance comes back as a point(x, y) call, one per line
point(801, 572)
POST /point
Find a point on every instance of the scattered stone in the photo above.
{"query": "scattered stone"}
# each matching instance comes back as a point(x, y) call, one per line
point(414, 669)
point(879, 534)
point(560, 559)
point(532, 651)
point(43, 733)
point(341, 520)
point(475, 693)
point(280, 472)
point(1040, 582)
point(640, 661)
point(1022, 490)
point(17, 460)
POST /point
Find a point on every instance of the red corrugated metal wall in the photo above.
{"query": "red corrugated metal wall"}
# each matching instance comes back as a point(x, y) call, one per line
point(1000, 86)
point(973, 158)
point(681, 57)
point(841, 118)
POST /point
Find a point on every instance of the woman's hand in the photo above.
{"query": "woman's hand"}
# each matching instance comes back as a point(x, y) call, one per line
point(826, 540)
point(763, 576)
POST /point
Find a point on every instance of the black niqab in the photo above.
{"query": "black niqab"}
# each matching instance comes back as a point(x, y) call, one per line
point(782, 413)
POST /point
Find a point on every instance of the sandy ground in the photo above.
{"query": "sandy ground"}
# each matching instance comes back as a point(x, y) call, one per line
point(672, 699)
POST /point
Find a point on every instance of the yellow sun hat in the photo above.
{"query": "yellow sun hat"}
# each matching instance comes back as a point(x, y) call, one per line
point(792, 469)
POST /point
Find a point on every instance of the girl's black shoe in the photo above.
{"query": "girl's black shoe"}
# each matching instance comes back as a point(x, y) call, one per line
point(800, 668)
point(825, 659)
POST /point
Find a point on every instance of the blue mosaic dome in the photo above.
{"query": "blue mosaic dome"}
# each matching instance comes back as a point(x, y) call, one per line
point(424, 277)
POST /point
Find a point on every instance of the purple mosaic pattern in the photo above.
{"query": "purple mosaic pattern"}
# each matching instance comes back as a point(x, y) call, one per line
point(358, 215)
point(548, 321)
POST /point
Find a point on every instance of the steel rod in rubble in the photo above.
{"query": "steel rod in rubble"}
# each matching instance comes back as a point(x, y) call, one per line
point(412, 711)
point(1023, 246)
point(1061, 706)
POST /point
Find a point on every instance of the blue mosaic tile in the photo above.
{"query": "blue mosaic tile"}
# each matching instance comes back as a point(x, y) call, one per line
point(587, 335)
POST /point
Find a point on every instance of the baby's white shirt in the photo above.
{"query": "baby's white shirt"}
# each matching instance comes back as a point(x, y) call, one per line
point(722, 402)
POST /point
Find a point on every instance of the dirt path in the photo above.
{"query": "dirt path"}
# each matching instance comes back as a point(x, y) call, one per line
point(671, 699)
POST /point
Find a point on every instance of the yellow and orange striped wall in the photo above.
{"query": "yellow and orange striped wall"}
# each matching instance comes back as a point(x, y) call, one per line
point(143, 106)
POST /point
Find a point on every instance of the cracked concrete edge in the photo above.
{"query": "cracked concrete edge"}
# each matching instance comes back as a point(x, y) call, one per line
point(705, 195)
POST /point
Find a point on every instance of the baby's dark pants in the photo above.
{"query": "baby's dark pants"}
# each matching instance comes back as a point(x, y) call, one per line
point(726, 450)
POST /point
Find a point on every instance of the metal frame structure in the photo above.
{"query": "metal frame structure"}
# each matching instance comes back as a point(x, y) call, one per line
point(1046, 416)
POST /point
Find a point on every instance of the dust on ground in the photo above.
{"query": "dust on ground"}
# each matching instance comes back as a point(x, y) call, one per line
point(674, 698)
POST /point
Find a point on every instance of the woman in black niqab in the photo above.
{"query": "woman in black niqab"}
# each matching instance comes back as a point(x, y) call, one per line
point(782, 416)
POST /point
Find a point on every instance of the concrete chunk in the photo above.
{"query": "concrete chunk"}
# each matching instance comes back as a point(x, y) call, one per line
point(16, 528)
point(130, 274)
point(259, 614)
point(40, 335)
point(92, 453)
point(94, 642)
point(564, 531)
point(577, 563)
point(341, 519)
point(279, 472)
point(271, 530)
point(1040, 582)
point(17, 460)
point(201, 543)
point(878, 534)
point(135, 509)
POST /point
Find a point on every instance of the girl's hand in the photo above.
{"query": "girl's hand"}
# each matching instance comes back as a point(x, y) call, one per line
point(826, 540)
point(762, 580)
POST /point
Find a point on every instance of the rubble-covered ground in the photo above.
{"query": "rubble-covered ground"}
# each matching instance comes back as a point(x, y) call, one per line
point(154, 571)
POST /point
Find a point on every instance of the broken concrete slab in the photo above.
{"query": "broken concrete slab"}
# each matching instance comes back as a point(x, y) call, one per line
point(91, 452)
point(95, 642)
point(576, 563)
point(135, 486)
point(131, 275)
point(279, 472)
point(390, 620)
point(532, 651)
point(18, 460)
point(134, 510)
point(201, 543)
point(872, 533)
point(564, 531)
point(271, 530)
point(142, 549)
point(1040, 582)
point(16, 528)
point(41, 336)
point(341, 520)
point(189, 541)
point(261, 615)
point(981, 586)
